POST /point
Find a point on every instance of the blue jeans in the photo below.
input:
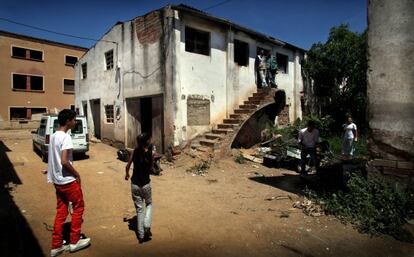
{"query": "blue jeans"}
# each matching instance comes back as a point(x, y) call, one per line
point(139, 196)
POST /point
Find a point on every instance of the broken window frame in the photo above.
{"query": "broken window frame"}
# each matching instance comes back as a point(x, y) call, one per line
point(84, 70)
point(282, 63)
point(65, 84)
point(241, 52)
point(29, 53)
point(28, 112)
point(109, 114)
point(28, 87)
point(69, 63)
point(197, 41)
point(109, 59)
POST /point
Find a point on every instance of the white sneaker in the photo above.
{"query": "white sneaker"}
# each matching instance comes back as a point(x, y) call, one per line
point(57, 251)
point(82, 243)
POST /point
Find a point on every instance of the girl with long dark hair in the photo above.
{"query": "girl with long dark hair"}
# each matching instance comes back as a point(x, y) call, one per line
point(143, 159)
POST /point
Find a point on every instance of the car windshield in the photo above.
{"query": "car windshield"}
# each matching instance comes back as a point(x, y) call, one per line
point(78, 129)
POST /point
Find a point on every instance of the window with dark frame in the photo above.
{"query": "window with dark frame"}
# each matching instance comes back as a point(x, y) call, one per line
point(109, 113)
point(197, 41)
point(24, 113)
point(70, 60)
point(84, 70)
point(109, 59)
point(29, 54)
point(282, 63)
point(27, 82)
point(241, 53)
point(68, 86)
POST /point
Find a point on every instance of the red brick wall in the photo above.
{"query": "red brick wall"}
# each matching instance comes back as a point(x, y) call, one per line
point(149, 27)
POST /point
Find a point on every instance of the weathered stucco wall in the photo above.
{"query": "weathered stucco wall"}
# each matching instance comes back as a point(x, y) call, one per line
point(219, 79)
point(391, 80)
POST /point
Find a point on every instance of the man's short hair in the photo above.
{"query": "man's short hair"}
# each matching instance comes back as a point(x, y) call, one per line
point(311, 123)
point(66, 115)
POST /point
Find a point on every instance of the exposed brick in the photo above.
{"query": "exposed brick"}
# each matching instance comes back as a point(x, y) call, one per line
point(148, 28)
point(384, 163)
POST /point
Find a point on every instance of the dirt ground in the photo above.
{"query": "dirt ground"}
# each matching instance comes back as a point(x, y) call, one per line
point(228, 212)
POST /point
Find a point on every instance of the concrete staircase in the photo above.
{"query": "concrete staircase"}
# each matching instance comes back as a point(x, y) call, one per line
point(222, 135)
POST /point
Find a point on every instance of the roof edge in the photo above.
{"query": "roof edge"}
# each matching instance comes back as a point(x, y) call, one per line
point(41, 40)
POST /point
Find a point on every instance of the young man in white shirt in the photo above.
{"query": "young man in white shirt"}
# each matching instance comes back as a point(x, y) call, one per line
point(67, 183)
point(350, 135)
point(308, 137)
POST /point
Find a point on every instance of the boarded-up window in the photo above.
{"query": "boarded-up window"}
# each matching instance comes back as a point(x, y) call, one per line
point(109, 113)
point(241, 52)
point(198, 111)
point(197, 41)
point(109, 59)
point(27, 82)
point(282, 63)
point(84, 70)
point(29, 54)
point(68, 85)
point(71, 60)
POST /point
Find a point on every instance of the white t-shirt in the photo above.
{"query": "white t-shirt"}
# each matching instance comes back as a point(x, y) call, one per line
point(308, 139)
point(348, 131)
point(57, 174)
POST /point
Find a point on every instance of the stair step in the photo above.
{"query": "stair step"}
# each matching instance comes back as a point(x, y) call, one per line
point(242, 111)
point(231, 121)
point(261, 95)
point(255, 102)
point(203, 149)
point(235, 116)
point(225, 126)
point(213, 136)
point(221, 131)
point(248, 106)
point(208, 142)
point(255, 98)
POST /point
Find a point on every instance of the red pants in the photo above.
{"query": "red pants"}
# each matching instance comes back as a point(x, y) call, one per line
point(71, 192)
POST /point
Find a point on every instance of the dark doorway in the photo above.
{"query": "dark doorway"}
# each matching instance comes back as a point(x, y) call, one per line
point(145, 114)
point(96, 117)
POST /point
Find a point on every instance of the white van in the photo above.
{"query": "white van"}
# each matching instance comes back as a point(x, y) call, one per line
point(48, 126)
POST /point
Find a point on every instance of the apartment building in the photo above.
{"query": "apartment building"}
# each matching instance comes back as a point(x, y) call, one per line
point(36, 76)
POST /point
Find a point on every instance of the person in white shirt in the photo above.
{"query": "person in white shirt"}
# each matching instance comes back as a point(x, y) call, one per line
point(260, 66)
point(67, 183)
point(350, 135)
point(308, 137)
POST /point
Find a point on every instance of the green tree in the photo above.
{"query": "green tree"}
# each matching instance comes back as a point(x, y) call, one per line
point(338, 76)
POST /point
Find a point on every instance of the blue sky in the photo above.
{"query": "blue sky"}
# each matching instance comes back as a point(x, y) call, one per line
point(299, 22)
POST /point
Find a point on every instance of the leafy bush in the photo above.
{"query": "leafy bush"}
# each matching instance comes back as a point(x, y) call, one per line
point(373, 206)
point(200, 168)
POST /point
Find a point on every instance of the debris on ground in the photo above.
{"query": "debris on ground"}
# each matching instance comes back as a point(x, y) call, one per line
point(200, 168)
point(280, 197)
point(309, 207)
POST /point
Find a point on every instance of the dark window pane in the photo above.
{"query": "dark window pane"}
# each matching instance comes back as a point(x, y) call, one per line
point(78, 129)
point(69, 85)
point(19, 81)
point(36, 83)
point(197, 41)
point(18, 113)
point(109, 59)
point(36, 55)
point(18, 52)
point(282, 63)
point(71, 60)
point(109, 113)
point(241, 53)
point(84, 70)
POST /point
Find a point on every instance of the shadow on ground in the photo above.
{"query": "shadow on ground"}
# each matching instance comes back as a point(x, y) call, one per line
point(16, 236)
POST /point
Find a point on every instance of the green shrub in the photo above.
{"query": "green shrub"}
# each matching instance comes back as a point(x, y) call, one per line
point(373, 206)
point(240, 159)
